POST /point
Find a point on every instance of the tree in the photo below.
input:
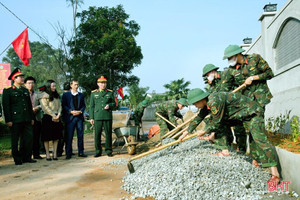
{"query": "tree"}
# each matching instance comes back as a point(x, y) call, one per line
point(105, 44)
point(177, 89)
point(136, 94)
point(46, 63)
point(75, 4)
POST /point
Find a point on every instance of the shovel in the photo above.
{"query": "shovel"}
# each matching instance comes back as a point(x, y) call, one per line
point(130, 166)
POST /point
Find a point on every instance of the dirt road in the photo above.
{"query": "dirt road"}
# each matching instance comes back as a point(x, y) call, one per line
point(78, 178)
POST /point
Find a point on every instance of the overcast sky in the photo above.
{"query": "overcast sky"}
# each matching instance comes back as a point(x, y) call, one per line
point(177, 37)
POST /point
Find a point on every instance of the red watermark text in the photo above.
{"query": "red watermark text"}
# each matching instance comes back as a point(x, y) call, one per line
point(274, 186)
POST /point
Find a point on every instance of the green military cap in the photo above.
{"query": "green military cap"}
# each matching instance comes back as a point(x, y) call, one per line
point(145, 103)
point(196, 95)
point(15, 73)
point(208, 68)
point(183, 101)
point(232, 50)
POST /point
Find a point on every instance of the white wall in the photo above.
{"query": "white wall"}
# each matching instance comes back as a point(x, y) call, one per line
point(285, 86)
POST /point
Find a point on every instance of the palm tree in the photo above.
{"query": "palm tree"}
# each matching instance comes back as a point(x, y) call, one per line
point(177, 89)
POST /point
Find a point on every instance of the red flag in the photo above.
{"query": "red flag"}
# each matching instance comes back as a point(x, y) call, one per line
point(120, 91)
point(21, 46)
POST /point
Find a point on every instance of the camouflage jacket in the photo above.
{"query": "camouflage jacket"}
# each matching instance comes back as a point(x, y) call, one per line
point(253, 65)
point(169, 111)
point(216, 85)
point(138, 112)
point(230, 108)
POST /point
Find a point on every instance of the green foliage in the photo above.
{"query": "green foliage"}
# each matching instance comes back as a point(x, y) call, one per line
point(105, 44)
point(177, 89)
point(5, 144)
point(295, 128)
point(4, 130)
point(46, 63)
point(275, 125)
point(136, 94)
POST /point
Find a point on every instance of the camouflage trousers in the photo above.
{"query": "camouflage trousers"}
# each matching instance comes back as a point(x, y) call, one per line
point(261, 148)
point(224, 137)
point(164, 126)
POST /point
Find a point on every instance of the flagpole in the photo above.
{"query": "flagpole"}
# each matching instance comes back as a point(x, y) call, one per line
point(26, 26)
point(5, 49)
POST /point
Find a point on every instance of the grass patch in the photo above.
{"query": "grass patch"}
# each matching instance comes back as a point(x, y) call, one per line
point(5, 144)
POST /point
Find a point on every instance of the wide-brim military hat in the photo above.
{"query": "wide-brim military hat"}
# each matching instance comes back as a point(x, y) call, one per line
point(196, 95)
point(102, 79)
point(208, 68)
point(183, 101)
point(232, 50)
point(15, 73)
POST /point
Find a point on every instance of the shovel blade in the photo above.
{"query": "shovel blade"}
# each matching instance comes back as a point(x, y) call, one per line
point(130, 168)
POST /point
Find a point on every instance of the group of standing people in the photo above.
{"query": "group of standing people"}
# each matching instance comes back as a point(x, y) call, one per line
point(40, 117)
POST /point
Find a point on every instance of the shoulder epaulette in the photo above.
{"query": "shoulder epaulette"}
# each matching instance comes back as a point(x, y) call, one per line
point(95, 91)
point(109, 90)
point(7, 87)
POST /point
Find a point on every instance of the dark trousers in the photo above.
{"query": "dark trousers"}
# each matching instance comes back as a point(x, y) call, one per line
point(78, 124)
point(21, 132)
point(107, 125)
point(37, 127)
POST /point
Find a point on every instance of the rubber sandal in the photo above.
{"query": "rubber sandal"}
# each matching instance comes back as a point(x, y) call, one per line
point(274, 179)
point(221, 154)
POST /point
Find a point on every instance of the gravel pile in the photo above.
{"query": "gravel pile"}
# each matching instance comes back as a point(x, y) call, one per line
point(189, 170)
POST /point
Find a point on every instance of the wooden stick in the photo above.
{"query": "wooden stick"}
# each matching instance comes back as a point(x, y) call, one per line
point(162, 147)
point(179, 127)
point(240, 87)
point(180, 132)
point(165, 119)
point(233, 134)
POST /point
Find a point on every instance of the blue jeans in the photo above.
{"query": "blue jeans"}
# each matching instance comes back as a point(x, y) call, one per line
point(71, 125)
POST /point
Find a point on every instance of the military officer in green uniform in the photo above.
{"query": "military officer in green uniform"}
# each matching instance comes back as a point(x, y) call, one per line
point(234, 108)
point(253, 71)
point(19, 117)
point(101, 105)
point(169, 111)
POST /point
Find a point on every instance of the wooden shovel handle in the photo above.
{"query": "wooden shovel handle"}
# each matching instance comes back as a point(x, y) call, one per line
point(178, 127)
point(180, 132)
point(162, 147)
point(240, 87)
point(165, 119)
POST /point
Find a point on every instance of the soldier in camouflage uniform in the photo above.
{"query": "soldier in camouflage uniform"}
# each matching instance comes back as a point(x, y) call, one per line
point(169, 111)
point(253, 71)
point(139, 112)
point(223, 137)
point(215, 81)
point(234, 108)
